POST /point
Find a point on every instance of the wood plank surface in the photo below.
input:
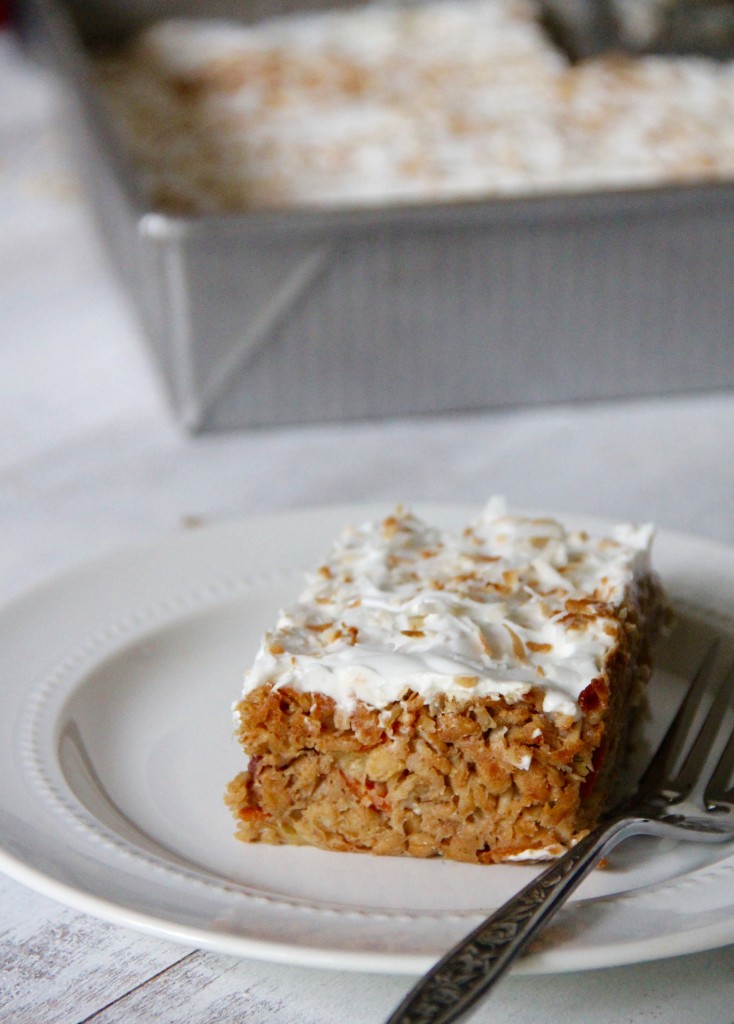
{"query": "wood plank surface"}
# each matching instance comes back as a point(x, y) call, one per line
point(58, 966)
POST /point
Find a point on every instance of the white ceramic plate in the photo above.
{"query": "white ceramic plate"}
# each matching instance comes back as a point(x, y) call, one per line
point(116, 744)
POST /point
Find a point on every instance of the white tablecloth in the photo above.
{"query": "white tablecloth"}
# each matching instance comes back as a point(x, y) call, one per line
point(90, 461)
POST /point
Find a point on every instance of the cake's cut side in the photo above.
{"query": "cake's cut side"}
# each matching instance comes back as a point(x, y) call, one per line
point(468, 696)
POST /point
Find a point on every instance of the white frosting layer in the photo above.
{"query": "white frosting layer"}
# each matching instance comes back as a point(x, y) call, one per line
point(511, 603)
point(405, 102)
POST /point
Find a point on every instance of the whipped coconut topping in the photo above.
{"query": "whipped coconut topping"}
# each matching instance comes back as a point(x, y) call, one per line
point(511, 603)
point(404, 102)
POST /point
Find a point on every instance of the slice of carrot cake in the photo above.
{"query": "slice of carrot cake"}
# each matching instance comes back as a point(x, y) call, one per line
point(464, 695)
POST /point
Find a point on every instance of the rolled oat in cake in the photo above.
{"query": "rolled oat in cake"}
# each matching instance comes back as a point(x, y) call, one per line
point(467, 695)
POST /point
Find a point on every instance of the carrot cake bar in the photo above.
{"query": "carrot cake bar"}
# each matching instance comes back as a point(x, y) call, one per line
point(468, 695)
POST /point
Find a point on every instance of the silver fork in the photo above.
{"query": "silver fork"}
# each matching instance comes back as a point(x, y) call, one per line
point(676, 797)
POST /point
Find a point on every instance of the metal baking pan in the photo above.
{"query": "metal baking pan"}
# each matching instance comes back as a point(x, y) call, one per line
point(301, 316)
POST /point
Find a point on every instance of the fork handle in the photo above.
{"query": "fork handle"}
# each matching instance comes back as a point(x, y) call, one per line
point(470, 969)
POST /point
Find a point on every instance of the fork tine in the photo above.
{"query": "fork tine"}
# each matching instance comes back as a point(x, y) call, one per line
point(690, 772)
point(719, 793)
point(673, 744)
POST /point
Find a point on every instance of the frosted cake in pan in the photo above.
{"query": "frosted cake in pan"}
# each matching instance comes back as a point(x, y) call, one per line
point(464, 695)
point(391, 103)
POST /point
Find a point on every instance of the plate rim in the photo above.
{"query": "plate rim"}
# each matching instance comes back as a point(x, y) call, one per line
point(543, 961)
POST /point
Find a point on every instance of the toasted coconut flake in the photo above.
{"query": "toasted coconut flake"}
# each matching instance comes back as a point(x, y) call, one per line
point(518, 647)
point(390, 526)
point(464, 577)
point(488, 649)
point(467, 681)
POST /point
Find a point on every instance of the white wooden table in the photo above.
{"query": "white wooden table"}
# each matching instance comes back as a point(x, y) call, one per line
point(90, 462)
